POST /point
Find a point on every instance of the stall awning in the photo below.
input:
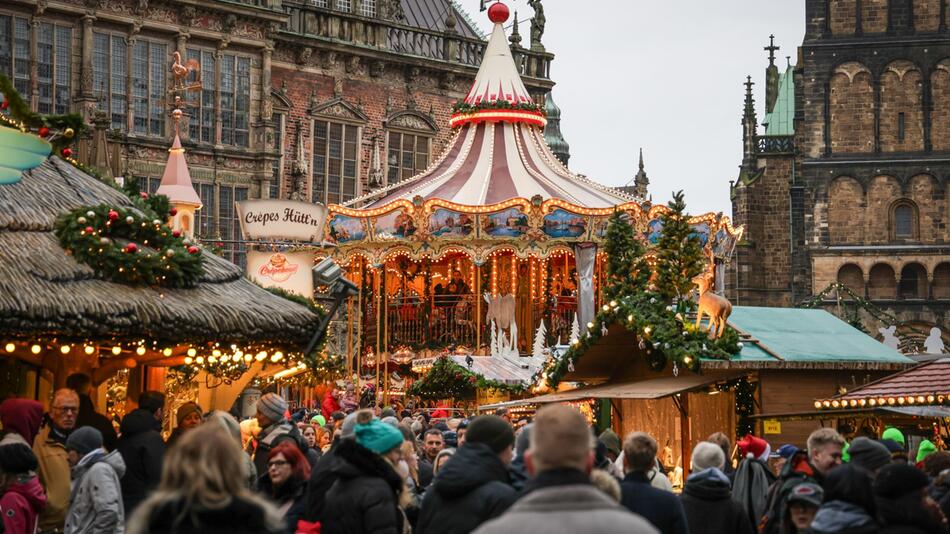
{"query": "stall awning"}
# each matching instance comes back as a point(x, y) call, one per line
point(643, 389)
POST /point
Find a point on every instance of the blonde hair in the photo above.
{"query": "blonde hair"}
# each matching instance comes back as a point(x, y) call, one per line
point(822, 437)
point(560, 437)
point(205, 469)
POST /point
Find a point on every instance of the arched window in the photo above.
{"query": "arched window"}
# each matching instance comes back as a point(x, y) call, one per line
point(852, 276)
point(904, 220)
point(881, 282)
point(913, 283)
point(941, 282)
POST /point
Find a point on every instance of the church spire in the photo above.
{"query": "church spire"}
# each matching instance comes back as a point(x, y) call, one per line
point(771, 76)
point(176, 183)
point(640, 182)
point(749, 128)
point(552, 131)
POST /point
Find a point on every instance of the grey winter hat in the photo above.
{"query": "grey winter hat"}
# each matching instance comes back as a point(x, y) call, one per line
point(869, 454)
point(524, 440)
point(348, 429)
point(387, 412)
point(84, 440)
point(273, 406)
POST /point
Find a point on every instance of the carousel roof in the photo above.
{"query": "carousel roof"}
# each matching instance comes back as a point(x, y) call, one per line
point(46, 292)
point(498, 152)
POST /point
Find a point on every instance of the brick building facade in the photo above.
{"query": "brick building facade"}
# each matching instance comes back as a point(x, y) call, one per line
point(848, 180)
point(316, 100)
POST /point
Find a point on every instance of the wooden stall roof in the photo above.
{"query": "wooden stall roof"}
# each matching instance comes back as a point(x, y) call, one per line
point(930, 378)
point(891, 411)
point(45, 292)
point(655, 388)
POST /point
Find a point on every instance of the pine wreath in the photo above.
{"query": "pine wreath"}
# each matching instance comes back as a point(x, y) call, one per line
point(122, 245)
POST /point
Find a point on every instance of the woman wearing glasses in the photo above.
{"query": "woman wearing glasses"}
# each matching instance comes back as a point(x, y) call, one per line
point(286, 482)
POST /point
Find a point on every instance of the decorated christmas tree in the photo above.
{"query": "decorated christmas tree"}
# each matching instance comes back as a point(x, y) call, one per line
point(679, 254)
point(627, 271)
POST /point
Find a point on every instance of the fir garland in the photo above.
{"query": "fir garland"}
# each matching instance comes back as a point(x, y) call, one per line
point(449, 380)
point(464, 108)
point(59, 130)
point(153, 254)
point(317, 361)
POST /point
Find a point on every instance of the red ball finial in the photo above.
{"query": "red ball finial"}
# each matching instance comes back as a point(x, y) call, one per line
point(498, 13)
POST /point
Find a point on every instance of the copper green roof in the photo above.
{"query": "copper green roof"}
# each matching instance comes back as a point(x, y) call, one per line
point(780, 121)
point(805, 336)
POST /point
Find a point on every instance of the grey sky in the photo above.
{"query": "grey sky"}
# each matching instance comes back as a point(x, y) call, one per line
point(665, 75)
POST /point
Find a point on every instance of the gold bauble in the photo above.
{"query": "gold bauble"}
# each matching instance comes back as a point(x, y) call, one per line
point(69, 133)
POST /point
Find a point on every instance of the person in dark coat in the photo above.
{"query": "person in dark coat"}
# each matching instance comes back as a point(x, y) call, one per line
point(324, 473)
point(88, 416)
point(903, 505)
point(474, 486)
point(286, 482)
point(142, 449)
point(707, 498)
point(800, 508)
point(848, 506)
point(661, 508)
point(367, 493)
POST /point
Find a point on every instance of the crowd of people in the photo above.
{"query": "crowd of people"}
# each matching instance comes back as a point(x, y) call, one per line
point(377, 471)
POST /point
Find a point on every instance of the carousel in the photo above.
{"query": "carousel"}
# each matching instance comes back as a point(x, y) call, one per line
point(494, 250)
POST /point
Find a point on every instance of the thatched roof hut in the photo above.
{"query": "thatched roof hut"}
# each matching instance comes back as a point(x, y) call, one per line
point(46, 295)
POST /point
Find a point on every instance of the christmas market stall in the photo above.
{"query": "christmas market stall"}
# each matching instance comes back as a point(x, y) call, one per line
point(110, 283)
point(496, 247)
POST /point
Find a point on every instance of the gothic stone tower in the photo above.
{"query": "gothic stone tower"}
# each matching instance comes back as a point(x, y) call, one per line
point(861, 196)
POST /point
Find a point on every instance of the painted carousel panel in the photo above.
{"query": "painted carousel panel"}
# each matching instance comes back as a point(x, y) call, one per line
point(394, 225)
point(345, 229)
point(564, 224)
point(508, 223)
point(445, 223)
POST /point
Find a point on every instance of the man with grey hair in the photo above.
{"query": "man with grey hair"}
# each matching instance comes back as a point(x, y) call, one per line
point(707, 498)
point(50, 449)
point(662, 508)
point(560, 497)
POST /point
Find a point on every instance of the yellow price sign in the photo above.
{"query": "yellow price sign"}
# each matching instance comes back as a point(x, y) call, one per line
point(772, 426)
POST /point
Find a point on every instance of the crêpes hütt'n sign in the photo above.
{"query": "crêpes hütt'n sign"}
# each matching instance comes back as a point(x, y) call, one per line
point(281, 219)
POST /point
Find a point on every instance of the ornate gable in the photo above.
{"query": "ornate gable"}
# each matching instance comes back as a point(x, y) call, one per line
point(411, 120)
point(339, 108)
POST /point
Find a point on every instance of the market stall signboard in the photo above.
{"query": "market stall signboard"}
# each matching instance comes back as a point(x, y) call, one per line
point(281, 219)
point(289, 271)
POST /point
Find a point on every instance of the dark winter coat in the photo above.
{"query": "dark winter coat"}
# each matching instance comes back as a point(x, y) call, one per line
point(322, 477)
point(142, 449)
point(796, 471)
point(471, 488)
point(839, 517)
point(707, 501)
point(940, 492)
point(364, 497)
point(291, 496)
point(660, 507)
point(907, 515)
point(751, 486)
point(270, 437)
point(240, 516)
point(88, 416)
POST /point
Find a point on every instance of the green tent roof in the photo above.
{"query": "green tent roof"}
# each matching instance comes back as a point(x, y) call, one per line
point(803, 336)
point(781, 120)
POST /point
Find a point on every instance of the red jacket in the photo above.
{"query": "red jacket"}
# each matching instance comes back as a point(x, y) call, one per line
point(20, 506)
point(329, 405)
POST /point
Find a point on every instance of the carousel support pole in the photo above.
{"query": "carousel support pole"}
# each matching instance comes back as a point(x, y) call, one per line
point(428, 300)
point(377, 284)
point(478, 305)
point(386, 383)
point(349, 337)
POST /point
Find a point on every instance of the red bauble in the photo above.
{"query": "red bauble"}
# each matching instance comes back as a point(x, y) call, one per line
point(143, 194)
point(113, 215)
point(67, 152)
point(498, 13)
point(173, 212)
point(193, 249)
point(90, 229)
point(44, 131)
point(131, 248)
point(458, 376)
point(5, 104)
point(176, 233)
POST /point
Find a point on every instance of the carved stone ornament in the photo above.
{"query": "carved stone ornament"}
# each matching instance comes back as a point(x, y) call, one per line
point(141, 6)
point(353, 65)
point(338, 87)
point(410, 121)
point(93, 4)
point(40, 7)
point(303, 55)
point(329, 59)
point(377, 68)
point(447, 81)
point(187, 15)
point(392, 10)
point(412, 74)
point(230, 22)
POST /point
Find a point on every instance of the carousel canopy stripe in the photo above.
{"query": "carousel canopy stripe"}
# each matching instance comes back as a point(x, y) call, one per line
point(490, 163)
point(497, 77)
point(45, 293)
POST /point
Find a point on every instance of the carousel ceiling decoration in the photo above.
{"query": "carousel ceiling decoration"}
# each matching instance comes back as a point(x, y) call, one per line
point(497, 183)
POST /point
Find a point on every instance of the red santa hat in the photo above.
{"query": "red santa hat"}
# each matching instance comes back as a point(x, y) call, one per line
point(753, 447)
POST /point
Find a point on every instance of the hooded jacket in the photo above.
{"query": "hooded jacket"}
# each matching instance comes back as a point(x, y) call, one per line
point(796, 471)
point(471, 488)
point(53, 472)
point(290, 498)
point(364, 497)
point(88, 416)
point(22, 416)
point(839, 517)
point(96, 501)
point(142, 449)
point(707, 501)
point(21, 505)
point(751, 488)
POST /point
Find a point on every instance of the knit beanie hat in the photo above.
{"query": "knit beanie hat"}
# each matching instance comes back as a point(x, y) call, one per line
point(894, 434)
point(846, 452)
point(319, 419)
point(387, 412)
point(273, 406)
point(185, 410)
point(390, 420)
point(492, 431)
point(896, 480)
point(348, 429)
point(84, 440)
point(869, 454)
point(925, 449)
point(378, 437)
point(16, 457)
point(610, 440)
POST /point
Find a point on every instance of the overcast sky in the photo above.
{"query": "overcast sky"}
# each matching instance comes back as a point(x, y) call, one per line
point(663, 75)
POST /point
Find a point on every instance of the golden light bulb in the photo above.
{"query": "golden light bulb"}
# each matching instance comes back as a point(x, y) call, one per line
point(10, 347)
point(248, 357)
point(212, 359)
point(167, 352)
point(89, 349)
point(35, 349)
point(189, 359)
point(200, 360)
point(116, 350)
point(279, 355)
point(65, 349)
point(192, 352)
point(261, 355)
point(216, 353)
point(140, 350)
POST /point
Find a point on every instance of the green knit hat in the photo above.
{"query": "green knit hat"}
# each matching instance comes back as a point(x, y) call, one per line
point(845, 455)
point(319, 420)
point(926, 449)
point(894, 434)
point(378, 436)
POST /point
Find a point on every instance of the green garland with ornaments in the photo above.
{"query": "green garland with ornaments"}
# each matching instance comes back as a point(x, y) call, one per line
point(655, 309)
point(449, 380)
point(59, 130)
point(465, 108)
point(124, 245)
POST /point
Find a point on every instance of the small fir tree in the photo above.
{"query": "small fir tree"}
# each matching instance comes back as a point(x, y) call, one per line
point(679, 253)
point(627, 271)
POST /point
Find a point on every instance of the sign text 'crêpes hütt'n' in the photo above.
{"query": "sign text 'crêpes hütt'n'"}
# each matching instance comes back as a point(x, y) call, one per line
point(281, 219)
